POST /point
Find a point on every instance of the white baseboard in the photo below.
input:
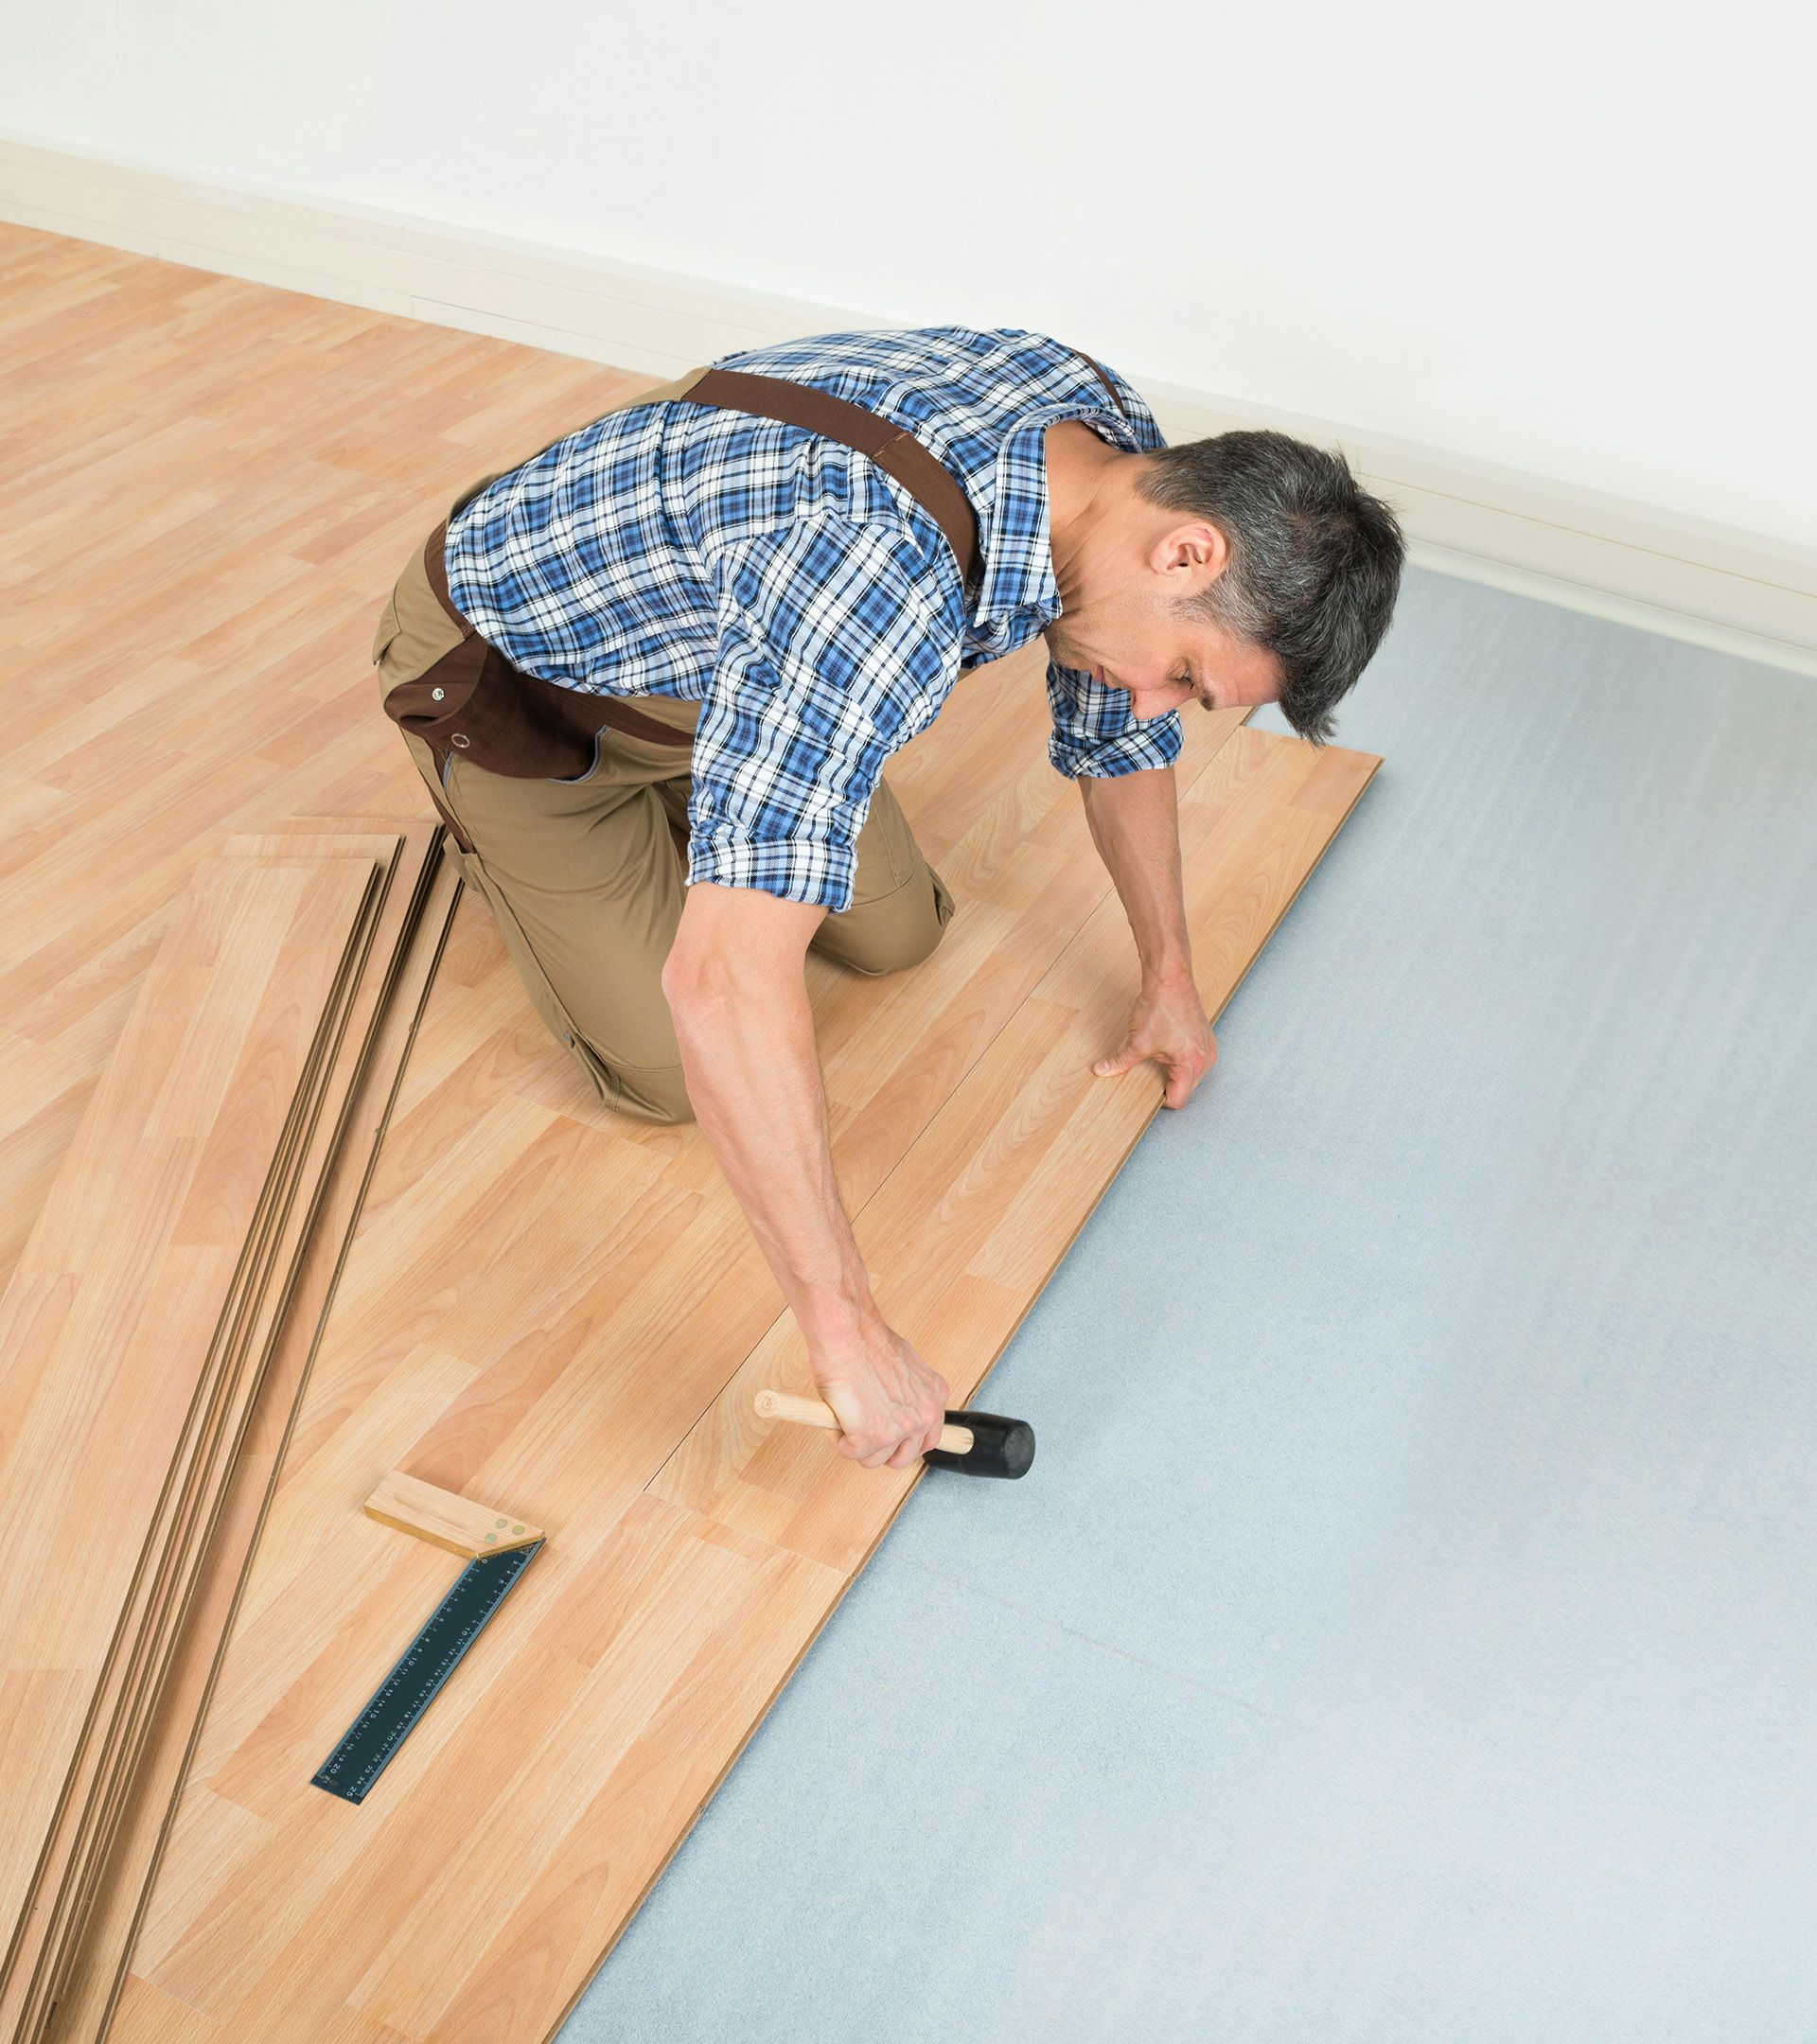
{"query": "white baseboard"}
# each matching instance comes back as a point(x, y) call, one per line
point(1736, 591)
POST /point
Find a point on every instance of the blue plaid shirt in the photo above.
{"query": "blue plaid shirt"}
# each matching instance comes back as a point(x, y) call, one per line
point(798, 593)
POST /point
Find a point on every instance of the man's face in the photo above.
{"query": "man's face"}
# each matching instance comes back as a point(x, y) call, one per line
point(1130, 630)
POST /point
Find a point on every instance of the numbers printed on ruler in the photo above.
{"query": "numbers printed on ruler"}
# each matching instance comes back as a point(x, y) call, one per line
point(426, 1664)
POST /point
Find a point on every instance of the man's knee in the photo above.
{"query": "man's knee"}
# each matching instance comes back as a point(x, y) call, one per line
point(649, 1092)
point(645, 1092)
point(891, 936)
point(671, 1107)
point(875, 958)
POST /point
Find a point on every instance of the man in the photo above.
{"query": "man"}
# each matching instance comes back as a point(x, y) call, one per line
point(764, 614)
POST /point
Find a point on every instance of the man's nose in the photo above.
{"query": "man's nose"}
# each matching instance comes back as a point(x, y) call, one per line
point(1153, 703)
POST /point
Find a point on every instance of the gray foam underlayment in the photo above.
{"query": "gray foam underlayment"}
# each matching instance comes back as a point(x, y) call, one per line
point(1407, 1634)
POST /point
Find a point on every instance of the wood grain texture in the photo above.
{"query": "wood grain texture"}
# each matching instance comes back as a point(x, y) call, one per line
point(540, 1304)
point(201, 524)
point(443, 1518)
point(176, 1545)
point(124, 1318)
point(334, 1169)
point(967, 1230)
point(407, 942)
point(585, 1326)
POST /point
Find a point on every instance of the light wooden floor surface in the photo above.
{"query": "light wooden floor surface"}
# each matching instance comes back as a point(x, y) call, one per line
point(544, 1307)
point(210, 487)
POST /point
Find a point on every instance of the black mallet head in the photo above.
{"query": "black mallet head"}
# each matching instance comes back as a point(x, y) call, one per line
point(999, 1446)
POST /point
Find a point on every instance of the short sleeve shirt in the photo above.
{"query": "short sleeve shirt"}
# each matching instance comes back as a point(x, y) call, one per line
point(802, 595)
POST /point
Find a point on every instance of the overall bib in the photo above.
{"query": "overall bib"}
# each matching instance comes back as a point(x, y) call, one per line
point(567, 810)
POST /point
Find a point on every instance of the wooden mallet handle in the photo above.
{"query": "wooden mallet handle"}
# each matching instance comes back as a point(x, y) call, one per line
point(977, 1444)
point(816, 1412)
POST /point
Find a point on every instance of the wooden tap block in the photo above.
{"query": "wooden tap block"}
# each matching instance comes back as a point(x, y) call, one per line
point(445, 1519)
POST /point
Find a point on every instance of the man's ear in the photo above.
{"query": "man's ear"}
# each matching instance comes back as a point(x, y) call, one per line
point(1196, 553)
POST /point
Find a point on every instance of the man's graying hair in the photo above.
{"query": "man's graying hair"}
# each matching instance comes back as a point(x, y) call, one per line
point(1315, 561)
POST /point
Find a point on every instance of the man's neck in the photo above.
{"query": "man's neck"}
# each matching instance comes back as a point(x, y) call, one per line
point(1081, 488)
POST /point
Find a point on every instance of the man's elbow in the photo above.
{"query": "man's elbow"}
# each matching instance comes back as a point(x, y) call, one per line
point(689, 983)
point(738, 950)
point(701, 981)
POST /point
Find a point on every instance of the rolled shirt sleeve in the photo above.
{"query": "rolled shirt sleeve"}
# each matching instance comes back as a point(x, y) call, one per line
point(830, 657)
point(1096, 733)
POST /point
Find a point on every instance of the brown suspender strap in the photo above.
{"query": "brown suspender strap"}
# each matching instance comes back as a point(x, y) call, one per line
point(894, 449)
point(547, 701)
point(1104, 380)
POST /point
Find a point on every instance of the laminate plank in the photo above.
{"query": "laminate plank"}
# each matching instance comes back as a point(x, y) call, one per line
point(461, 1258)
point(109, 1727)
point(124, 1277)
point(134, 1671)
point(312, 1211)
point(417, 935)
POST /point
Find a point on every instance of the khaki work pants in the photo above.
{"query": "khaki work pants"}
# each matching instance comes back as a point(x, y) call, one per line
point(586, 876)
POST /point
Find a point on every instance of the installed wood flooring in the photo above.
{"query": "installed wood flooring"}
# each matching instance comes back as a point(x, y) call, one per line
point(543, 1307)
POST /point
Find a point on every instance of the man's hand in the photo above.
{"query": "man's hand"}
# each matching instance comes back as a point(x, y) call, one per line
point(891, 1405)
point(1167, 1024)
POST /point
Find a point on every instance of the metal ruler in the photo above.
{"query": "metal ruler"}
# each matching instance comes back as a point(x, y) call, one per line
point(427, 1663)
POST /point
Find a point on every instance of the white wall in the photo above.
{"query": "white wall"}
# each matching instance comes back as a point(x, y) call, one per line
point(1579, 243)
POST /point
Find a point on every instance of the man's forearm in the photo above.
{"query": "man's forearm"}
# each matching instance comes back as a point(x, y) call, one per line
point(753, 1075)
point(1135, 822)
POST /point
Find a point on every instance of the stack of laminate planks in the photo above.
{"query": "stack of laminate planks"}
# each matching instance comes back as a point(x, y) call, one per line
point(154, 1338)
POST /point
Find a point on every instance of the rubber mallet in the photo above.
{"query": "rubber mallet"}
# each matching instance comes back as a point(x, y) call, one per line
point(975, 1443)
